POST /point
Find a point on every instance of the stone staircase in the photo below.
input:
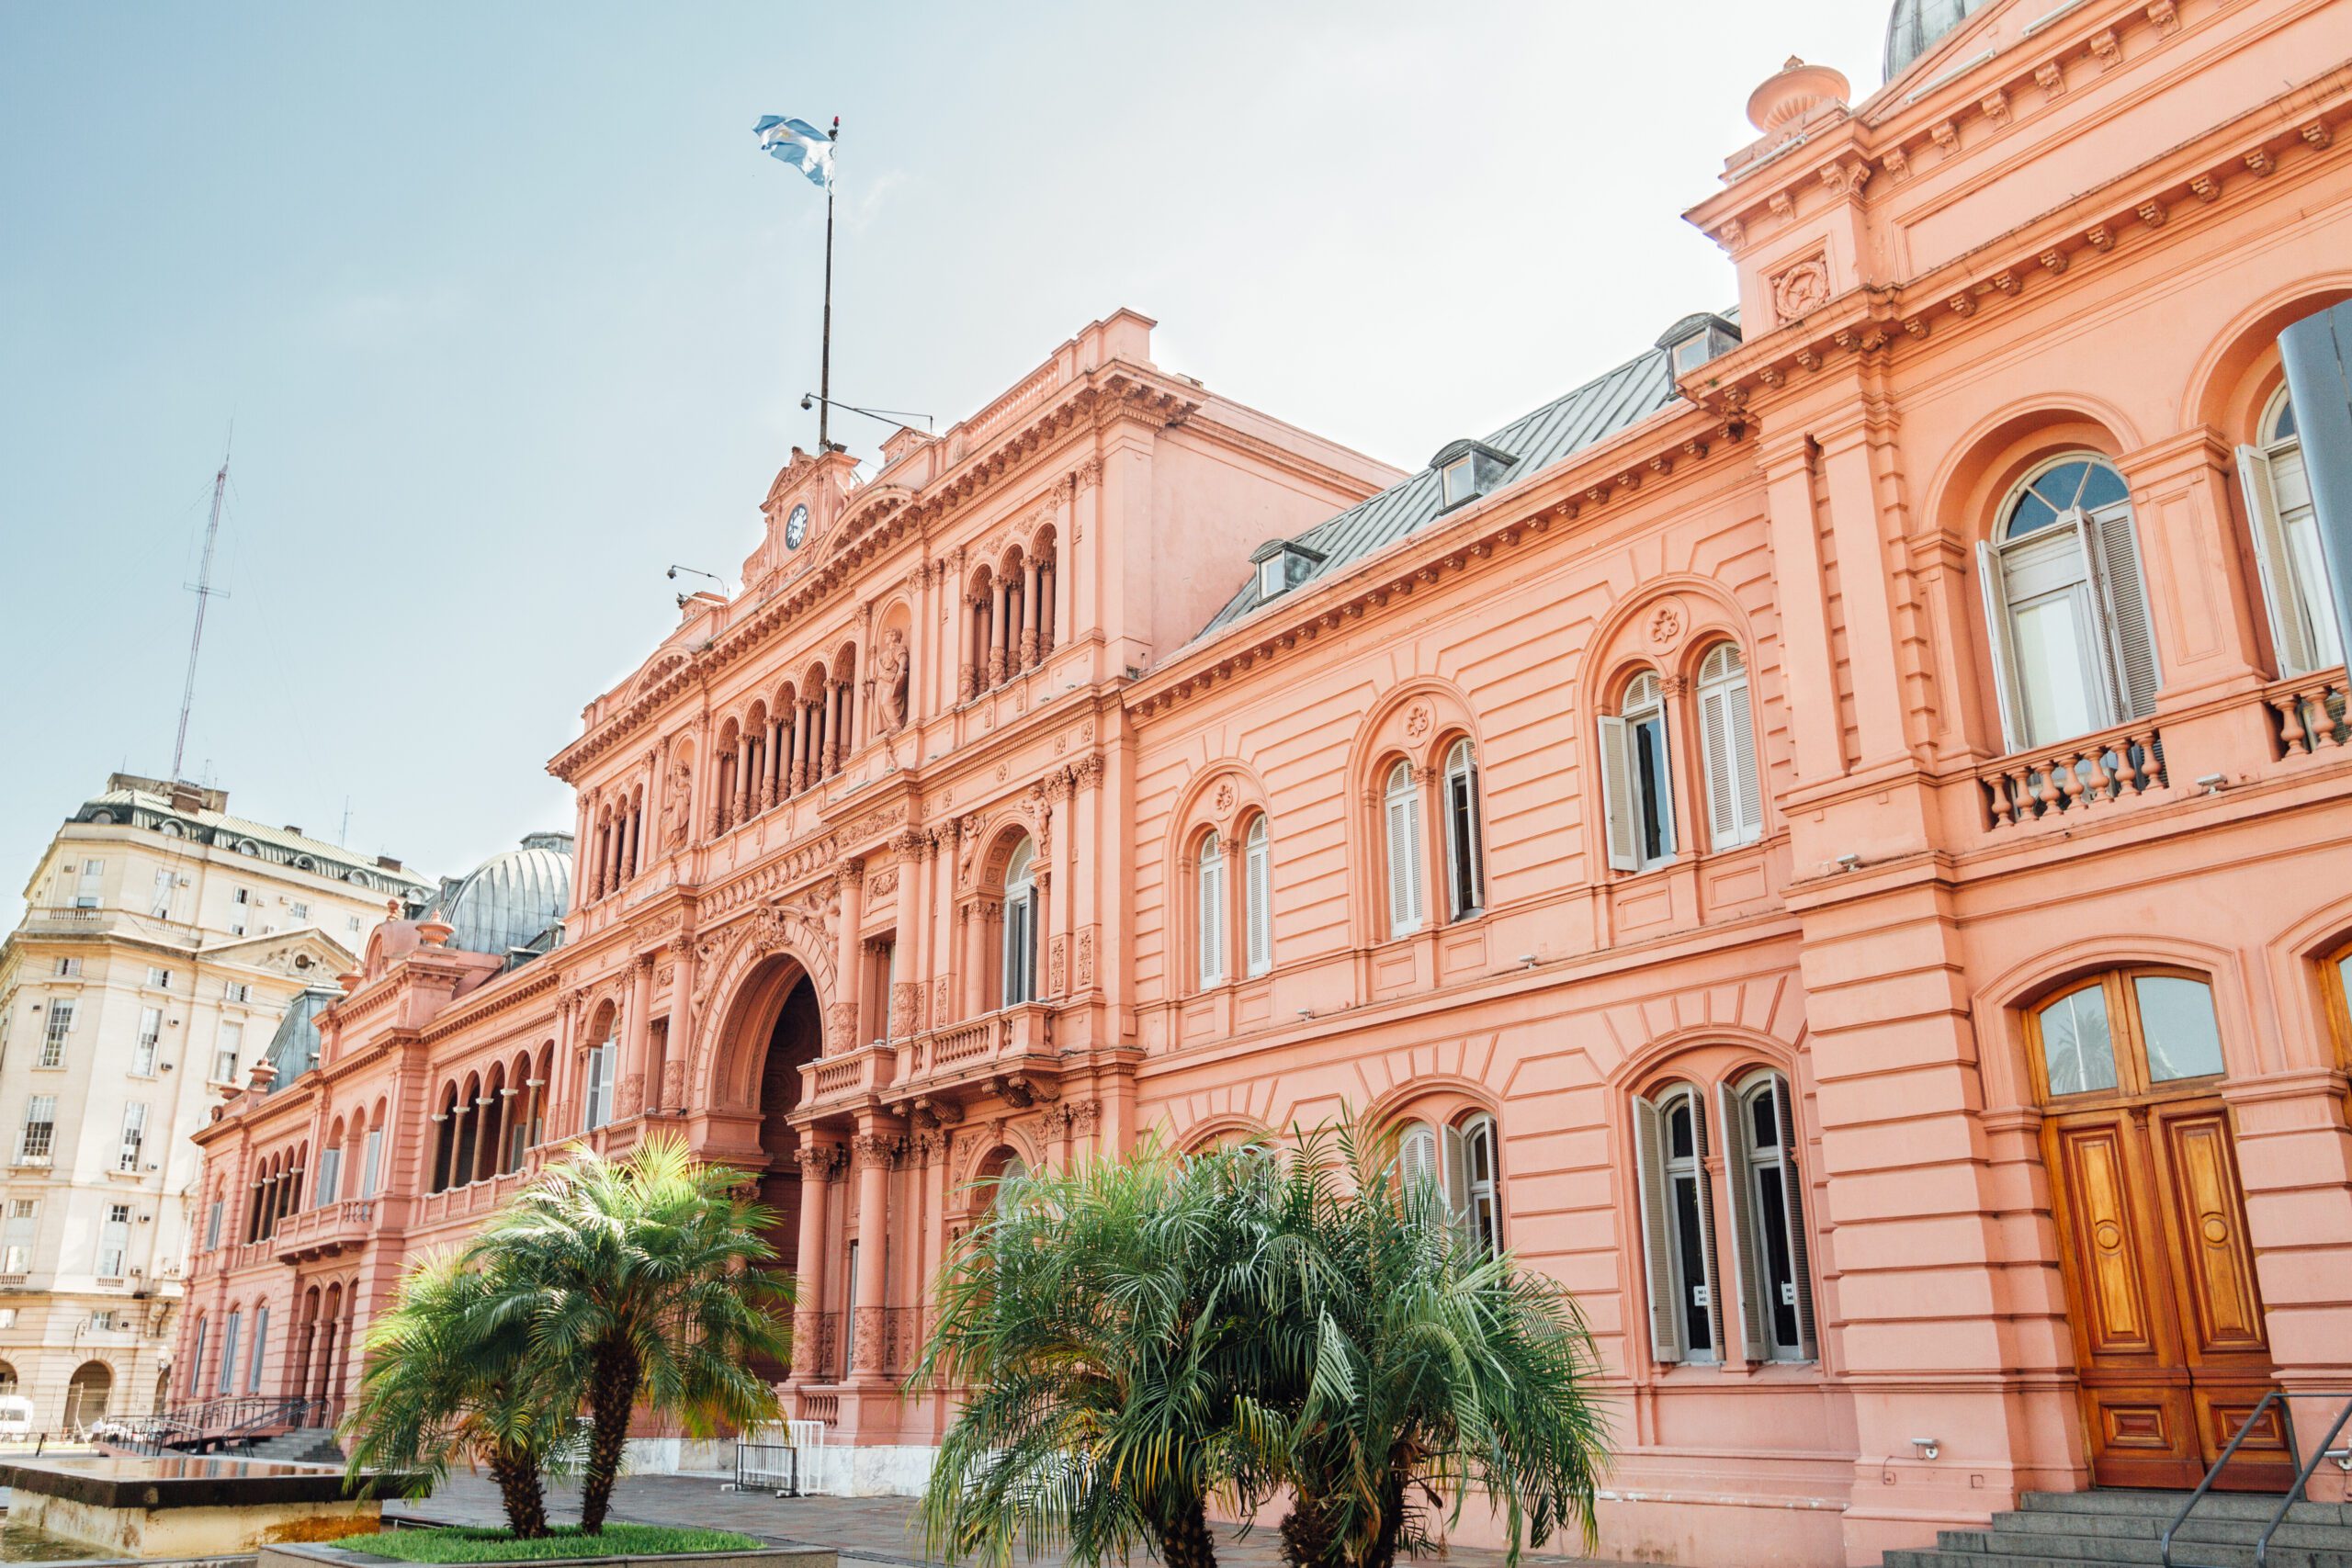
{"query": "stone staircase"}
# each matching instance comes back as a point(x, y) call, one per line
point(2075, 1529)
point(304, 1445)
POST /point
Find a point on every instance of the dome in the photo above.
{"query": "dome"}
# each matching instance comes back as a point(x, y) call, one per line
point(510, 899)
point(1916, 25)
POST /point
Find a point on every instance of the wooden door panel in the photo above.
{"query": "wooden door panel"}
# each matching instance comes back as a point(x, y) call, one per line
point(2207, 1218)
point(2264, 1463)
point(2115, 1321)
point(2143, 1436)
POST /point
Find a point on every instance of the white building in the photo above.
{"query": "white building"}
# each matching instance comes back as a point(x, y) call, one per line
point(161, 944)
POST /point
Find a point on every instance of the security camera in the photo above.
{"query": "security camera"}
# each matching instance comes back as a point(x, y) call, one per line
point(672, 574)
point(805, 402)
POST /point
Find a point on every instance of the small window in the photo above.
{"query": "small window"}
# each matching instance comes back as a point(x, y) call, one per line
point(329, 1174)
point(1020, 955)
point(1638, 784)
point(298, 911)
point(38, 1138)
point(212, 1225)
point(227, 1045)
point(1461, 480)
point(236, 991)
point(69, 969)
point(1468, 469)
point(134, 1136)
point(1727, 744)
point(52, 1040)
point(1465, 878)
point(602, 1059)
point(16, 1241)
point(1283, 565)
point(1677, 1226)
point(1401, 832)
point(143, 1048)
point(1258, 894)
point(114, 1245)
point(161, 979)
point(1209, 889)
point(229, 1350)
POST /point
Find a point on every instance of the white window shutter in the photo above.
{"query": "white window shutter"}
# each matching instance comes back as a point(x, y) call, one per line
point(1622, 826)
point(1793, 1199)
point(1457, 1176)
point(2287, 633)
point(1714, 748)
point(1739, 717)
point(1746, 1276)
point(1417, 1155)
point(1658, 1234)
point(1404, 837)
point(2124, 604)
point(1996, 639)
point(1259, 904)
point(1212, 923)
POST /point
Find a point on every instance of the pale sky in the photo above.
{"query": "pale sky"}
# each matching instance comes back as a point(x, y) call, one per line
point(510, 314)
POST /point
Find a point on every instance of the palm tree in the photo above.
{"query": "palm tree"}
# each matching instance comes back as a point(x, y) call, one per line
point(645, 1277)
point(1439, 1369)
point(443, 1378)
point(1111, 1326)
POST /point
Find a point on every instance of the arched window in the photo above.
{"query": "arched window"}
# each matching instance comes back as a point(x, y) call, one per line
point(1461, 1163)
point(1401, 833)
point(1768, 1216)
point(1020, 957)
point(2286, 543)
point(1465, 878)
point(1727, 749)
point(1677, 1225)
point(2071, 642)
point(2126, 1032)
point(1258, 894)
point(603, 1059)
point(1209, 887)
point(1637, 777)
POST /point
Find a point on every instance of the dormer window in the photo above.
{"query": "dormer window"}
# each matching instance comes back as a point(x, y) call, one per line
point(1694, 340)
point(1283, 565)
point(1468, 469)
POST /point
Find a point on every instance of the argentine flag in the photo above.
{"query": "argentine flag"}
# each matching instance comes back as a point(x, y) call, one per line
point(800, 144)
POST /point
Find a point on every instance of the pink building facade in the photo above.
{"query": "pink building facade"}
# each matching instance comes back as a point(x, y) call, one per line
point(1835, 831)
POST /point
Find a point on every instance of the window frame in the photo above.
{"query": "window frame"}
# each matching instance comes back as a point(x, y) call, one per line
point(1666, 1268)
point(2296, 588)
point(1209, 897)
point(1634, 817)
point(1017, 967)
point(1462, 825)
point(2127, 1038)
point(2107, 588)
point(1758, 1217)
point(1404, 875)
point(1256, 896)
point(1731, 772)
point(1441, 1152)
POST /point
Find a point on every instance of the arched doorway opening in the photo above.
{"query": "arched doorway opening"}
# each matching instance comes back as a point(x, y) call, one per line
point(794, 1040)
point(86, 1394)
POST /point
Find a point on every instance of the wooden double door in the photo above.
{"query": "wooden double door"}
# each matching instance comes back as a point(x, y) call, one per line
point(2169, 1340)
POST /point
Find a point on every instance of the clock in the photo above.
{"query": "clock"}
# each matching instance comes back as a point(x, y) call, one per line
point(795, 528)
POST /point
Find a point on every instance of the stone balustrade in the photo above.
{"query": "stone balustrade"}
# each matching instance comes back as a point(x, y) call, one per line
point(2081, 775)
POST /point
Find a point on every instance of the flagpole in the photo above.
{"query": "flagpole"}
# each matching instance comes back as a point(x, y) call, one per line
point(825, 353)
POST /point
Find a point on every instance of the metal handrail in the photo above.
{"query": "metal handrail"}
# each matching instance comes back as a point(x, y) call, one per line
point(2304, 1472)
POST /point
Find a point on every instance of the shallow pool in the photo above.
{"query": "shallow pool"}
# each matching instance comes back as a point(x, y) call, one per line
point(22, 1543)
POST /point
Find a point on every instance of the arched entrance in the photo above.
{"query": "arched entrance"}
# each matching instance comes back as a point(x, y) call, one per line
point(793, 1040)
point(86, 1394)
point(2170, 1346)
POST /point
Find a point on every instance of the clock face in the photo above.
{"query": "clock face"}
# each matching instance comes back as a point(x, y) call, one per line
point(795, 528)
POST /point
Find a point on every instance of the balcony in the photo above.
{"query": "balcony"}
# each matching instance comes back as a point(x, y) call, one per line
point(2097, 773)
point(324, 1231)
point(2308, 714)
point(1010, 1040)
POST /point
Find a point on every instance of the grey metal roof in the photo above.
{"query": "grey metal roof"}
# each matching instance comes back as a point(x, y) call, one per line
point(138, 808)
point(1916, 26)
point(1594, 412)
point(510, 899)
point(294, 1049)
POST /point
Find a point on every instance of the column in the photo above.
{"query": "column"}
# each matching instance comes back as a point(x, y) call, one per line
point(817, 1162)
point(1867, 582)
point(682, 1020)
point(1050, 620)
point(999, 609)
point(841, 1018)
point(830, 761)
point(911, 845)
point(1030, 647)
point(1809, 673)
point(875, 1151)
point(772, 791)
point(625, 838)
point(797, 768)
point(640, 1004)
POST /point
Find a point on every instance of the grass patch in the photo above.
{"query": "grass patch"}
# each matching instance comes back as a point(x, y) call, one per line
point(456, 1545)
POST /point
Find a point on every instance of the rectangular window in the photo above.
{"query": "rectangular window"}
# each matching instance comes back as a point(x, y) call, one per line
point(329, 1174)
point(102, 1320)
point(236, 991)
point(352, 923)
point(230, 1043)
point(370, 1157)
point(52, 1040)
point(1212, 893)
point(849, 1341)
point(229, 1352)
point(17, 1242)
point(1677, 1226)
point(69, 969)
point(601, 1059)
point(260, 1350)
point(134, 1136)
point(114, 1241)
point(1019, 947)
point(86, 892)
point(1258, 900)
point(196, 1360)
point(1637, 791)
point(298, 911)
point(160, 905)
point(212, 1225)
point(142, 1050)
point(159, 978)
point(40, 1131)
point(243, 896)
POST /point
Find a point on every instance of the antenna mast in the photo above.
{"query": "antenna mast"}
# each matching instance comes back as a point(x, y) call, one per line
point(203, 593)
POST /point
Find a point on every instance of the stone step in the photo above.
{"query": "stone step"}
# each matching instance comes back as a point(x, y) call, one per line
point(2293, 1531)
point(2184, 1557)
point(2163, 1506)
point(2146, 1549)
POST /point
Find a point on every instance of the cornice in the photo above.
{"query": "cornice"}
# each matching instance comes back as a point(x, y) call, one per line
point(1588, 485)
point(492, 999)
point(1102, 399)
point(2277, 144)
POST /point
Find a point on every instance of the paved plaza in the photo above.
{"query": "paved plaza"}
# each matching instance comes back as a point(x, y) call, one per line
point(867, 1529)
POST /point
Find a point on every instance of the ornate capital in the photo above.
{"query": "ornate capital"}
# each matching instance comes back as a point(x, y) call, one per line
point(817, 1161)
point(873, 1151)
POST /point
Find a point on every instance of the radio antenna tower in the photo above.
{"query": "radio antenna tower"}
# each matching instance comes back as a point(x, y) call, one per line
point(204, 591)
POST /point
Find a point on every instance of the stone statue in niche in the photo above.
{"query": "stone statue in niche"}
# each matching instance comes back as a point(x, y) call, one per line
point(677, 804)
point(891, 665)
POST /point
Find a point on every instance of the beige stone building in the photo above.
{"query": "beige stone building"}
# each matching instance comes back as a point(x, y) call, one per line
point(162, 942)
